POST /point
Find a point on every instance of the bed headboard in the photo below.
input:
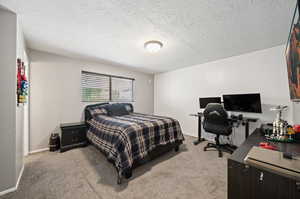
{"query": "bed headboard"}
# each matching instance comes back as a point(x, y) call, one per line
point(87, 114)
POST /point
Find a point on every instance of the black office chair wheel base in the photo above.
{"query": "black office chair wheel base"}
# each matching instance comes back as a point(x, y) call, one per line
point(220, 148)
point(209, 145)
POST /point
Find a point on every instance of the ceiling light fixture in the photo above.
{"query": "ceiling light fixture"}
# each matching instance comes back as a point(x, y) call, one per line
point(153, 46)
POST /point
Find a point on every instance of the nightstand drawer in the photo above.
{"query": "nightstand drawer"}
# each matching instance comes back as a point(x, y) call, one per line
point(73, 135)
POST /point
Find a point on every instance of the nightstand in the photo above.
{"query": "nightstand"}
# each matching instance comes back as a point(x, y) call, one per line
point(73, 135)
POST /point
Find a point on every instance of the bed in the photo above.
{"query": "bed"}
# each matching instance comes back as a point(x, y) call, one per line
point(129, 139)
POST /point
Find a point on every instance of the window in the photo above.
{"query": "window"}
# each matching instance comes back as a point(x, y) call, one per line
point(121, 89)
point(94, 87)
point(103, 88)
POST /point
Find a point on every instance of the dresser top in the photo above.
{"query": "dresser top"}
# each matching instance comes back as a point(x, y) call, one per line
point(67, 125)
point(254, 139)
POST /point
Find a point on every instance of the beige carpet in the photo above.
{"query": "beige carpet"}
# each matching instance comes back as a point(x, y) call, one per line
point(84, 173)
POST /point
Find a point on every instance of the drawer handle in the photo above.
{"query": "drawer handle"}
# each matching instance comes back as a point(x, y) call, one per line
point(246, 168)
point(298, 186)
point(261, 177)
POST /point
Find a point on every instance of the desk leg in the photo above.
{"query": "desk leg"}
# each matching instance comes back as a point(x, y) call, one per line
point(199, 132)
point(247, 129)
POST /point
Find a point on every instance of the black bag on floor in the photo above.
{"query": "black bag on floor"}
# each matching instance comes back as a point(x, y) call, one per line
point(54, 142)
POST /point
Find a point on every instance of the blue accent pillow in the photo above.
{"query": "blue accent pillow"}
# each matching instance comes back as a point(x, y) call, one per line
point(117, 110)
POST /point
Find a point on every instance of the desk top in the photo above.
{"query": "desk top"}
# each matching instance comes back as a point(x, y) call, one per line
point(249, 119)
point(254, 139)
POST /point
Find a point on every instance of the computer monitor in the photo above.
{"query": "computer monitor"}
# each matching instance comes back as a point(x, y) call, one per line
point(243, 103)
point(206, 100)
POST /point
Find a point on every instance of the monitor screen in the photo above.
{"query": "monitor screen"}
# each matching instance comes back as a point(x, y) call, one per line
point(204, 101)
point(243, 103)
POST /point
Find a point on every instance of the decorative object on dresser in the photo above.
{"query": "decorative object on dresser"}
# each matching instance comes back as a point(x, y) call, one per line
point(72, 135)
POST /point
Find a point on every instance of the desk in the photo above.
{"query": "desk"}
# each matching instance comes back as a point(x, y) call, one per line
point(247, 182)
point(200, 139)
point(245, 121)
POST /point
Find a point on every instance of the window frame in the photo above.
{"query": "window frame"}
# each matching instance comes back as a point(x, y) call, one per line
point(110, 86)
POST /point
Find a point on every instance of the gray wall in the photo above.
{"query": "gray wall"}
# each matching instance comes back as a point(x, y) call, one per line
point(55, 92)
point(8, 31)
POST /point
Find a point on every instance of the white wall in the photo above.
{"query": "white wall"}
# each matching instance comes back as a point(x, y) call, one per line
point(26, 109)
point(177, 92)
point(55, 92)
point(11, 117)
point(296, 111)
point(8, 99)
point(22, 109)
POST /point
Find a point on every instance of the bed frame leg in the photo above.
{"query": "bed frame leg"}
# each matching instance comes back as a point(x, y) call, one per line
point(119, 180)
point(176, 148)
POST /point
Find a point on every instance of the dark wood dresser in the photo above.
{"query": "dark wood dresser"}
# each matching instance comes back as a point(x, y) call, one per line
point(247, 182)
point(72, 135)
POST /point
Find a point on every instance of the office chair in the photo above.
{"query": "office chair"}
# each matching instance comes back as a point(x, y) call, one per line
point(216, 122)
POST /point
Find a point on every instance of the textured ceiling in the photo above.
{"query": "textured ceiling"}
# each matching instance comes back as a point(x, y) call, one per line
point(193, 31)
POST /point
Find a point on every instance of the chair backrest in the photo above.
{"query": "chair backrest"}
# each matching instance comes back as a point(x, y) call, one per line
point(216, 119)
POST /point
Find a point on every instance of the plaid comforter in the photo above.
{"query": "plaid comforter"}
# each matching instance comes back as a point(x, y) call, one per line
point(127, 138)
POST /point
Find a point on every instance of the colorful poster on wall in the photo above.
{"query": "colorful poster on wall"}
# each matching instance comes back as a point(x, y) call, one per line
point(293, 56)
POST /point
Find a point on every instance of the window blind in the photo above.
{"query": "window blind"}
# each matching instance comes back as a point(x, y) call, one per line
point(104, 88)
point(121, 89)
point(95, 87)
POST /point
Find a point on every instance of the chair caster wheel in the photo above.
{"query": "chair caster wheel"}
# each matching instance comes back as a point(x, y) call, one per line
point(204, 149)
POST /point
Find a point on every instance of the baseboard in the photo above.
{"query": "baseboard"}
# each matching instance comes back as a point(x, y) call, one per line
point(8, 191)
point(20, 176)
point(17, 184)
point(38, 151)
